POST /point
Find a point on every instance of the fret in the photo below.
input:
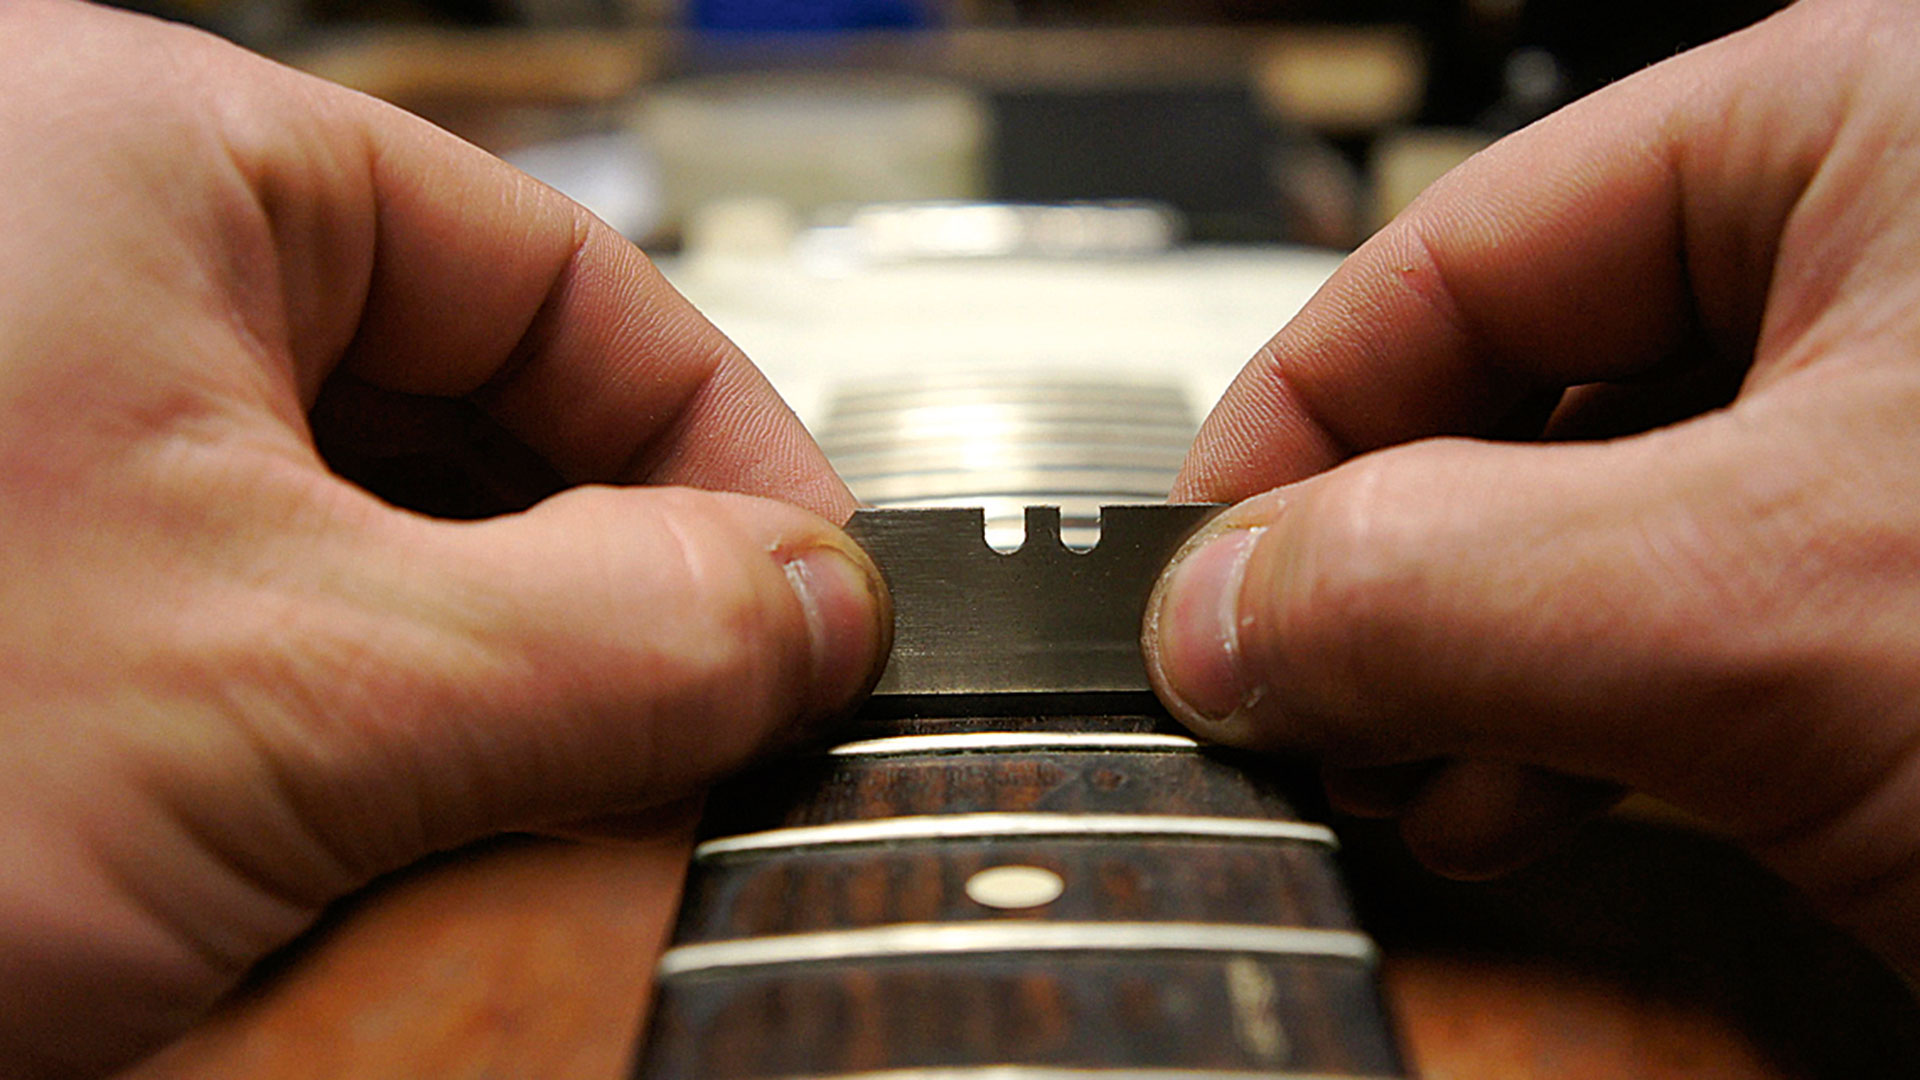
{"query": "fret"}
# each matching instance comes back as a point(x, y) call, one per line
point(976, 826)
point(1033, 1073)
point(920, 940)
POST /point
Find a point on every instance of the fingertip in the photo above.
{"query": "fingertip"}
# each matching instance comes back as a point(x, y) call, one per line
point(1196, 618)
point(849, 620)
point(1193, 630)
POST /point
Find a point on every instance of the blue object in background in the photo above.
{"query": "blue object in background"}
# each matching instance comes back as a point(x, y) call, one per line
point(808, 16)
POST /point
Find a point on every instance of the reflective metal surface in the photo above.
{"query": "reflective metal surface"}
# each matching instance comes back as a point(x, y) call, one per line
point(1043, 619)
point(1004, 441)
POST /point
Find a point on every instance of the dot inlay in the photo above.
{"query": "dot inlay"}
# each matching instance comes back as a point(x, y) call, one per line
point(1015, 887)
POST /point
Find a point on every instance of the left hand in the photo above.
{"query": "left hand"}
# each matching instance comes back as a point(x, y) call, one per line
point(235, 686)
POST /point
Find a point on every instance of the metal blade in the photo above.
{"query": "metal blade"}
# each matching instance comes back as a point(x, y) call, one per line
point(1043, 619)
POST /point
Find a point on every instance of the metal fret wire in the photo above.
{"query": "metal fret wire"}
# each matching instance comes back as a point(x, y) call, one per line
point(949, 939)
point(1043, 1072)
point(1014, 825)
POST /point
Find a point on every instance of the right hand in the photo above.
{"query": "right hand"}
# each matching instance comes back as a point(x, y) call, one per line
point(1720, 606)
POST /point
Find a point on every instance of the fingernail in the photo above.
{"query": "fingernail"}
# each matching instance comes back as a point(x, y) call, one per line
point(841, 598)
point(1195, 627)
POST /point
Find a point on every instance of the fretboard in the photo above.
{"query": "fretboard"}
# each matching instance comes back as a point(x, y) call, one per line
point(1015, 898)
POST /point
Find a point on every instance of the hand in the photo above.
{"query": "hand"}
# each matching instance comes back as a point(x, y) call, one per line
point(1700, 290)
point(236, 686)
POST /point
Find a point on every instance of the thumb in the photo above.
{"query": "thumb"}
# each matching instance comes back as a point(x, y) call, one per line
point(1580, 609)
point(608, 651)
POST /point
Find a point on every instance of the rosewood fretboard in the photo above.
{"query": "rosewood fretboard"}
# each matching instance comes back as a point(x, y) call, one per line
point(1015, 886)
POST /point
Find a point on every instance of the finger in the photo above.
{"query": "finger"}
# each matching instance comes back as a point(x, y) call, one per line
point(679, 820)
point(1376, 791)
point(1601, 610)
point(489, 284)
point(1480, 819)
point(610, 650)
point(1593, 246)
point(590, 356)
point(419, 264)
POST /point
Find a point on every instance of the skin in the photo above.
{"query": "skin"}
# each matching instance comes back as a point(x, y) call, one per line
point(236, 685)
point(1595, 470)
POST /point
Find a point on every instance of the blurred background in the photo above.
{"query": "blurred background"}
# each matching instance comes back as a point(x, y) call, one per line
point(1304, 121)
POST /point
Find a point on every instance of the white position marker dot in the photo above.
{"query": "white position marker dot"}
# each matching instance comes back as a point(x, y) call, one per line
point(1015, 887)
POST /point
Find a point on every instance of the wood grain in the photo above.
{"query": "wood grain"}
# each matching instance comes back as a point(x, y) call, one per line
point(521, 958)
point(1152, 880)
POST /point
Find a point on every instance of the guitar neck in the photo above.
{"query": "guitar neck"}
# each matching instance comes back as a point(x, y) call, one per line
point(1030, 896)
